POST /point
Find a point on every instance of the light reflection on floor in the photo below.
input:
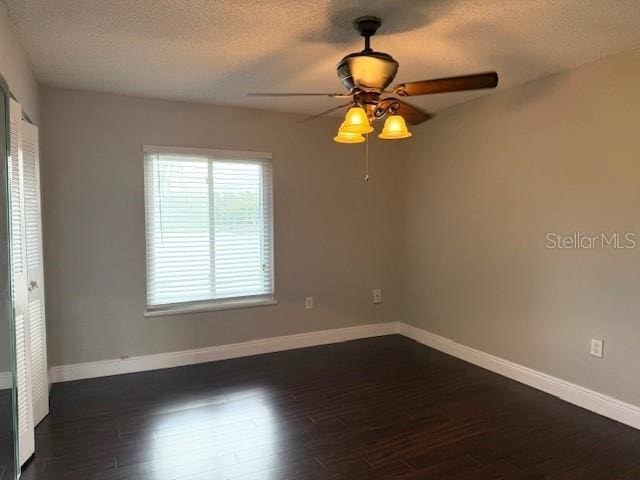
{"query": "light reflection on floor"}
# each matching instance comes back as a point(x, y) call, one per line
point(216, 435)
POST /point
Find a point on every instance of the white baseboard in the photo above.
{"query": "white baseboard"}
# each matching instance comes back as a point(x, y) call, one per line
point(79, 371)
point(5, 380)
point(570, 392)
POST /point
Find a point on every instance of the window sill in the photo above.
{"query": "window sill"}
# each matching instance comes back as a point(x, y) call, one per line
point(210, 307)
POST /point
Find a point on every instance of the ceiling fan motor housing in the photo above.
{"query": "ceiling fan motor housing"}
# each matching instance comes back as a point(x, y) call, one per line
point(367, 71)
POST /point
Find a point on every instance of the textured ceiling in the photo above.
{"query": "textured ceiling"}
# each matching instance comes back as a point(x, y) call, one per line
point(217, 51)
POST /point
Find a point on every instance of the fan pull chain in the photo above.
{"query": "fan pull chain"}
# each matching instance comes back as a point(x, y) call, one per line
point(366, 158)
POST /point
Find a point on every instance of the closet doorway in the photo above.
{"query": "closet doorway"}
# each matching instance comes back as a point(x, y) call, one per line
point(27, 278)
point(8, 457)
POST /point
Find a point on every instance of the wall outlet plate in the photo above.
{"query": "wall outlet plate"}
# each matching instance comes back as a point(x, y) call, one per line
point(308, 303)
point(377, 295)
point(597, 348)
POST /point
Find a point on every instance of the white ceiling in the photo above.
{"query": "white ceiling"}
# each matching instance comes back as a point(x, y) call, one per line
point(217, 51)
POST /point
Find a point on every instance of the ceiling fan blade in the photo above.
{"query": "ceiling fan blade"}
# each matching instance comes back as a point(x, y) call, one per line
point(412, 115)
point(332, 95)
point(449, 84)
point(318, 115)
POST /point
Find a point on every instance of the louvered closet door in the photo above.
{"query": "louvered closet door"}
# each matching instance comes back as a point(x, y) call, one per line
point(35, 272)
point(19, 286)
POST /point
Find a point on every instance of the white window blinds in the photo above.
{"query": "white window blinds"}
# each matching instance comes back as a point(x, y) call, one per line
point(209, 225)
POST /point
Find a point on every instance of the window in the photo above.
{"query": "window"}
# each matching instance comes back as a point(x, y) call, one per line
point(209, 227)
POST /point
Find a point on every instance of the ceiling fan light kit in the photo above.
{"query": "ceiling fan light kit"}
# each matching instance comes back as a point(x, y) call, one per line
point(367, 74)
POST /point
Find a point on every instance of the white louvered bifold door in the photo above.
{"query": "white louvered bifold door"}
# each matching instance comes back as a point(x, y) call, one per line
point(35, 272)
point(19, 285)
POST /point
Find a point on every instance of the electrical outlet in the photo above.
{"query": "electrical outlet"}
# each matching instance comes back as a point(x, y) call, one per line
point(597, 348)
point(377, 295)
point(308, 303)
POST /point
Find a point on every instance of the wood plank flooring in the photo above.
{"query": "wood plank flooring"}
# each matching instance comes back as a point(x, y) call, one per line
point(364, 410)
point(6, 435)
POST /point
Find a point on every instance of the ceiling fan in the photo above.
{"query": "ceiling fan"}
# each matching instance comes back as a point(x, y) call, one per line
point(367, 74)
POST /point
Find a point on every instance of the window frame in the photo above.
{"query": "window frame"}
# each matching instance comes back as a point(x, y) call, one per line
point(209, 305)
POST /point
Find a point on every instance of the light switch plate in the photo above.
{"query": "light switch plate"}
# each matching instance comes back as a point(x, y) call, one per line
point(308, 303)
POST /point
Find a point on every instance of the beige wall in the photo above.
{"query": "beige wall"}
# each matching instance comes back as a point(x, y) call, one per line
point(482, 187)
point(16, 69)
point(333, 233)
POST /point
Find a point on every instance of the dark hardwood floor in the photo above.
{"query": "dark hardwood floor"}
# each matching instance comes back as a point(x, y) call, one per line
point(369, 409)
point(7, 460)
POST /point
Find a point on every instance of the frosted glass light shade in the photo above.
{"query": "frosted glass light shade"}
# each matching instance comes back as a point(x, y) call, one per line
point(356, 121)
point(394, 128)
point(346, 137)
